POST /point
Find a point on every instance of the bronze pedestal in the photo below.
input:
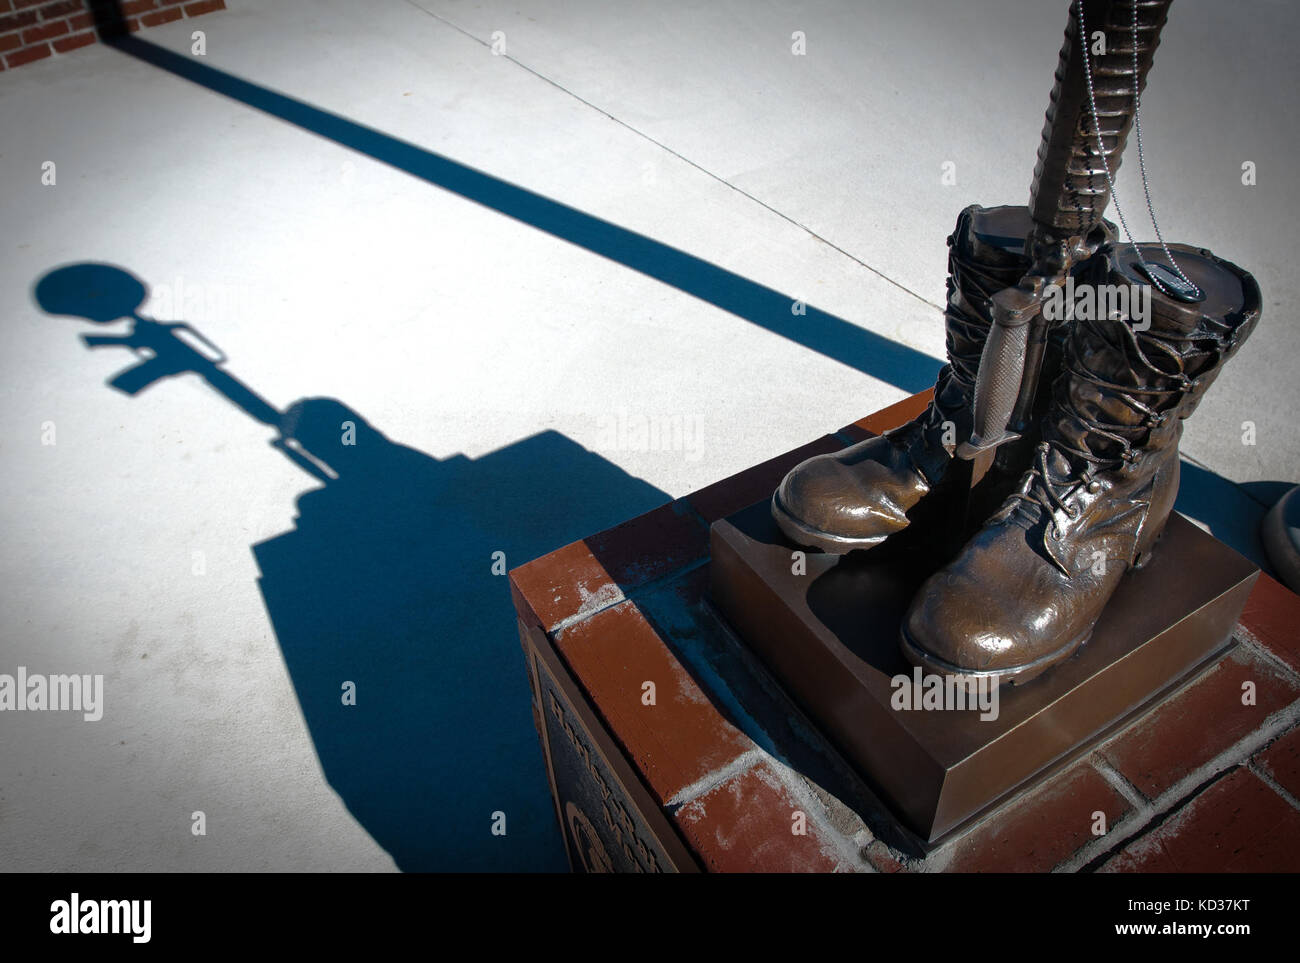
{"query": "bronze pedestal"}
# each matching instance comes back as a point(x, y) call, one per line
point(830, 636)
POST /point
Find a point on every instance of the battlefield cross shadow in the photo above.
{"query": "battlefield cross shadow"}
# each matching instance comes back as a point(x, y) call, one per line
point(386, 582)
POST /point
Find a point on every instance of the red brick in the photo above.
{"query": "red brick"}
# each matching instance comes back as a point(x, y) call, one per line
point(27, 55)
point(131, 8)
point(61, 9)
point(85, 39)
point(1197, 724)
point(16, 21)
point(204, 6)
point(1043, 829)
point(1281, 760)
point(651, 545)
point(566, 583)
point(45, 31)
point(753, 484)
point(1272, 617)
point(1238, 825)
point(896, 414)
point(880, 856)
point(170, 3)
point(675, 742)
point(20, 4)
point(159, 17)
point(745, 825)
point(6, 5)
point(10, 41)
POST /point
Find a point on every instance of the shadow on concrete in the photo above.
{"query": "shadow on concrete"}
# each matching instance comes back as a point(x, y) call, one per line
point(868, 352)
point(1231, 512)
point(386, 581)
point(1203, 497)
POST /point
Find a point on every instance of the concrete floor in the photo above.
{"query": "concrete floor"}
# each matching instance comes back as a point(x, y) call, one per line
point(498, 352)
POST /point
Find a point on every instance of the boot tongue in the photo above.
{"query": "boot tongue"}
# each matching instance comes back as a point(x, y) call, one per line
point(1063, 471)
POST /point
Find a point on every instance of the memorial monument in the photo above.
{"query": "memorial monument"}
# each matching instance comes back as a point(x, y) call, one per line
point(1007, 530)
point(950, 609)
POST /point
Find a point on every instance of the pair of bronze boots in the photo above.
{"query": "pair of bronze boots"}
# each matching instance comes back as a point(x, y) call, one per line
point(1097, 477)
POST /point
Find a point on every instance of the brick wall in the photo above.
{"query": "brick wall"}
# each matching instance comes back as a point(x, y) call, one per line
point(32, 30)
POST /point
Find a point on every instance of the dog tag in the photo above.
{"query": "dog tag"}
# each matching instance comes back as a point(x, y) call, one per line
point(1170, 284)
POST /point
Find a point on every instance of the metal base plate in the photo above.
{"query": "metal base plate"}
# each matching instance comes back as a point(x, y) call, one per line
point(828, 630)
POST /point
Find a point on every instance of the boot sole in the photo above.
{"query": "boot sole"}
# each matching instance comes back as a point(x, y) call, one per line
point(1013, 675)
point(803, 534)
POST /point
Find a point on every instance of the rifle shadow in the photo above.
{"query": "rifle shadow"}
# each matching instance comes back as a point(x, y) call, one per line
point(386, 582)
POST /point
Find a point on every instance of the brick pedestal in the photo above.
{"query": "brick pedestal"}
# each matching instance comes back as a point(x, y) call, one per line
point(670, 747)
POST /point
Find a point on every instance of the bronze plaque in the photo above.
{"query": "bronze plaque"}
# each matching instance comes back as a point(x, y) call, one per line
point(609, 820)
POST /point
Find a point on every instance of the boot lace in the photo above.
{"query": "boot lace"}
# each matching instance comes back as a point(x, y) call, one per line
point(1153, 360)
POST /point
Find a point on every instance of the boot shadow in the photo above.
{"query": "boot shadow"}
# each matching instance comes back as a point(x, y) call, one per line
point(386, 583)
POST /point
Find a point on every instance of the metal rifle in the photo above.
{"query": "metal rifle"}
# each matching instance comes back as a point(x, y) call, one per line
point(1077, 159)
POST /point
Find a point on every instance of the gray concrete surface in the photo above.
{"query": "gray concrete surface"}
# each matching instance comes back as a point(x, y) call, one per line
point(458, 330)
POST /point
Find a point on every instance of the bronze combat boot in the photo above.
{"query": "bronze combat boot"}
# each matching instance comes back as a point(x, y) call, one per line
point(1027, 589)
point(857, 497)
